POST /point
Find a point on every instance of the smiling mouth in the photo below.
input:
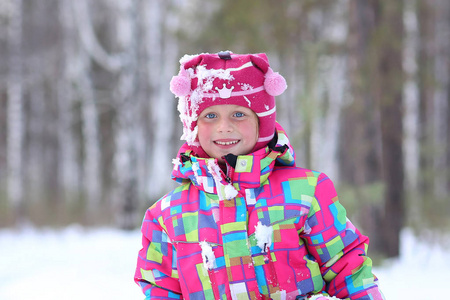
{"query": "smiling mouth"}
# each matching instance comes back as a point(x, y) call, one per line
point(226, 143)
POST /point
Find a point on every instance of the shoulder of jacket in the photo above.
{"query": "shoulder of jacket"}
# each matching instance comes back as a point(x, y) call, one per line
point(298, 172)
point(179, 192)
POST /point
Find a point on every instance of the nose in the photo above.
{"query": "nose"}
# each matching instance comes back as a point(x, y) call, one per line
point(224, 125)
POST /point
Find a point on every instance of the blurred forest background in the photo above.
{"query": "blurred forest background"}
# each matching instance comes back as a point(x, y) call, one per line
point(88, 126)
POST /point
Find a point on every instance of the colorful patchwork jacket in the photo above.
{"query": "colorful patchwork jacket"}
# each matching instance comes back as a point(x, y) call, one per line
point(265, 230)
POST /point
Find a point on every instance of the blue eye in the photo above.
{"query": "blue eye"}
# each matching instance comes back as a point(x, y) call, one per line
point(239, 114)
point(210, 116)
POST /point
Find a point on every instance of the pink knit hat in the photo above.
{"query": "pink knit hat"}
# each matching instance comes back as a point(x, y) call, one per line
point(226, 78)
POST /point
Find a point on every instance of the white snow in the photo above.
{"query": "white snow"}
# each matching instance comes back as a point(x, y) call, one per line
point(73, 263)
point(78, 263)
point(176, 163)
point(320, 297)
point(263, 236)
point(230, 192)
point(208, 255)
point(421, 272)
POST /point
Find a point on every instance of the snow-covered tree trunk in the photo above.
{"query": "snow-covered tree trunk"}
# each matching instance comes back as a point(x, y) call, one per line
point(15, 108)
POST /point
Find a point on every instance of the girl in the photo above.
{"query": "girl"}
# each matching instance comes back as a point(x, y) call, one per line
point(246, 222)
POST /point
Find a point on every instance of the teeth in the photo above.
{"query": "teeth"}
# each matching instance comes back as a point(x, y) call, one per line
point(227, 143)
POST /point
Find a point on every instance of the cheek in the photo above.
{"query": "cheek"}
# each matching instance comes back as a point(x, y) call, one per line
point(255, 129)
point(204, 131)
point(252, 132)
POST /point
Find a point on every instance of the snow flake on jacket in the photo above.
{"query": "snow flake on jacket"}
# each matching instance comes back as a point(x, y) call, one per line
point(265, 230)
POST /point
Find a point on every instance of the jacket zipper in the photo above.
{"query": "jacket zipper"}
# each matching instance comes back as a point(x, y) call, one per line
point(229, 173)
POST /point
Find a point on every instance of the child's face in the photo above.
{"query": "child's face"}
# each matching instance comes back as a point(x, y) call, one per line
point(224, 129)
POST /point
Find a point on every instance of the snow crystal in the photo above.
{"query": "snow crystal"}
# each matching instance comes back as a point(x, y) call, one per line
point(187, 57)
point(176, 163)
point(207, 255)
point(230, 192)
point(246, 86)
point(195, 167)
point(263, 236)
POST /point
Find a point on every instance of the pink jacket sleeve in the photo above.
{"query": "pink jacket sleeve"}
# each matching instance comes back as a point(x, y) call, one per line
point(339, 247)
point(156, 270)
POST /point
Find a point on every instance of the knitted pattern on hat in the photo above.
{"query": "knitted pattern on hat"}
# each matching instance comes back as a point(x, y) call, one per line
point(246, 80)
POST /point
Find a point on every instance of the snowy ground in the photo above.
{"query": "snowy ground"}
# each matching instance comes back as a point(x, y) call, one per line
point(75, 263)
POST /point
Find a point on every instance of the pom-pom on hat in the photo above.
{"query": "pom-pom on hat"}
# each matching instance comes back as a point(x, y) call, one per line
point(226, 78)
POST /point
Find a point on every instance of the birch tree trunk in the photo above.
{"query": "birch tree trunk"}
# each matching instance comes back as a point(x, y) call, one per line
point(91, 163)
point(68, 167)
point(128, 115)
point(34, 166)
point(327, 128)
point(288, 111)
point(162, 51)
point(411, 108)
point(441, 99)
point(447, 128)
point(15, 110)
point(91, 145)
point(332, 74)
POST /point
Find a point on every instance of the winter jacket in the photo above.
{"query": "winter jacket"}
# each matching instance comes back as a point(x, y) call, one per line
point(265, 230)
